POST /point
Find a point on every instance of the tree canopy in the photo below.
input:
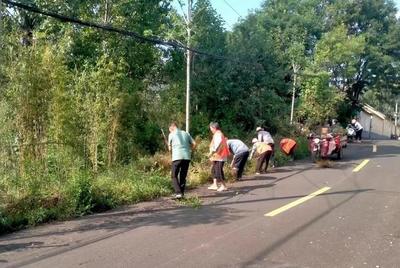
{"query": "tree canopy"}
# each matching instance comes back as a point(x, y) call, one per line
point(110, 94)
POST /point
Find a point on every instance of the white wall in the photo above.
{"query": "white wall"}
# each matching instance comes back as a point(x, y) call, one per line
point(376, 127)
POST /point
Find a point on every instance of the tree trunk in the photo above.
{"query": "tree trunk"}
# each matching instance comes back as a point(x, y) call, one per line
point(112, 141)
point(93, 142)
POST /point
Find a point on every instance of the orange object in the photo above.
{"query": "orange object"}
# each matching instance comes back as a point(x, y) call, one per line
point(223, 149)
point(287, 145)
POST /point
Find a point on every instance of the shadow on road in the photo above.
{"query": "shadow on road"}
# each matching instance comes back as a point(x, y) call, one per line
point(261, 258)
point(289, 197)
point(113, 225)
point(166, 213)
point(20, 246)
point(362, 151)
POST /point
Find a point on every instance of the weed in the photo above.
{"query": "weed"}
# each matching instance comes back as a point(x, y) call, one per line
point(191, 201)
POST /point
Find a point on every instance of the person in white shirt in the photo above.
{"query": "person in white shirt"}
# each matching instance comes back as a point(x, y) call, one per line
point(358, 128)
point(265, 136)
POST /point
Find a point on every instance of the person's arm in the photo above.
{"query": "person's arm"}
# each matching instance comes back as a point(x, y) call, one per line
point(233, 160)
point(253, 149)
point(216, 143)
point(169, 142)
point(192, 142)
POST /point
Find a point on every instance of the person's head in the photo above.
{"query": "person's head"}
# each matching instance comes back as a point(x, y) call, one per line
point(214, 127)
point(173, 126)
point(259, 129)
point(254, 140)
point(353, 121)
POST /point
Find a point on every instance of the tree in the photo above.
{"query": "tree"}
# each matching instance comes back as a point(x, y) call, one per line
point(318, 101)
point(372, 20)
point(339, 54)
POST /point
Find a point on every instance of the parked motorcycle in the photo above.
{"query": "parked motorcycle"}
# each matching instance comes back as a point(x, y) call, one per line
point(322, 148)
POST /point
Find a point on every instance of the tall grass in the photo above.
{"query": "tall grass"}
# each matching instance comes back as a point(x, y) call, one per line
point(61, 186)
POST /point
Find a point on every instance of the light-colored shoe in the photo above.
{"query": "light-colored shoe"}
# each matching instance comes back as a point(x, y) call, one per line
point(213, 187)
point(222, 188)
point(257, 173)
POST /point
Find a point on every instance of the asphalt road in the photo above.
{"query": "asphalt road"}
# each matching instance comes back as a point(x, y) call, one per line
point(344, 216)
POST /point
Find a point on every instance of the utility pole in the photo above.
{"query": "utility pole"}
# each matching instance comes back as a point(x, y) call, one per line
point(1, 7)
point(295, 71)
point(188, 63)
point(395, 119)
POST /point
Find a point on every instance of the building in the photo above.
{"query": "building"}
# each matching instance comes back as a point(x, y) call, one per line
point(377, 126)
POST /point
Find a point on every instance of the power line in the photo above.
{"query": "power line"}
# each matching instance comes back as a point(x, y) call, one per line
point(234, 10)
point(183, 12)
point(153, 40)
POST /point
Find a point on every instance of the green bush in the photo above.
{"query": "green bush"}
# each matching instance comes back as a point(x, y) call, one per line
point(62, 187)
point(48, 192)
point(127, 186)
point(302, 150)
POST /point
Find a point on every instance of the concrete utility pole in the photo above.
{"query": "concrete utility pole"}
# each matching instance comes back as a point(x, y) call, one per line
point(395, 119)
point(1, 7)
point(295, 71)
point(188, 63)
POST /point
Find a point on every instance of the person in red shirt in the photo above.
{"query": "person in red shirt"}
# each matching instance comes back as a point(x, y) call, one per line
point(219, 152)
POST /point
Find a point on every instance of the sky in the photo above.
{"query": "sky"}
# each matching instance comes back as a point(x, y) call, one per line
point(242, 7)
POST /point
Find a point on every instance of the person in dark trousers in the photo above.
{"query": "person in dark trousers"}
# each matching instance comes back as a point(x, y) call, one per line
point(358, 128)
point(263, 152)
point(181, 145)
point(240, 153)
point(265, 136)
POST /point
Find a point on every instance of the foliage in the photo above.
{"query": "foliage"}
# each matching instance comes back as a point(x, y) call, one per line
point(82, 110)
point(192, 201)
point(318, 101)
point(43, 196)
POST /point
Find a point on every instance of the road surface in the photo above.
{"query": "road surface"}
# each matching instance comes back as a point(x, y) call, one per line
point(296, 216)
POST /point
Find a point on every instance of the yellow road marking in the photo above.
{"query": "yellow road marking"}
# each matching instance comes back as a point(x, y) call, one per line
point(374, 148)
point(297, 202)
point(360, 166)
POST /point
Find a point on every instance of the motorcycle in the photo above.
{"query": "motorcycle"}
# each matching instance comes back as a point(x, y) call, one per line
point(322, 148)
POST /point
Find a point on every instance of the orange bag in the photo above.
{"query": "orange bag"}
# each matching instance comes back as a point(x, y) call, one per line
point(287, 145)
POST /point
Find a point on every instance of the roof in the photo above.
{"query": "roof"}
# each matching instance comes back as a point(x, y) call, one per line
point(370, 110)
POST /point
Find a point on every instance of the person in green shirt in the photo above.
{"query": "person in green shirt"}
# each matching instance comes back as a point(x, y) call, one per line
point(181, 145)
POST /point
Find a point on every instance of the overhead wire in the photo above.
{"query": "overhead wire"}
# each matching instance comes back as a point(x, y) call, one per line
point(141, 38)
point(234, 10)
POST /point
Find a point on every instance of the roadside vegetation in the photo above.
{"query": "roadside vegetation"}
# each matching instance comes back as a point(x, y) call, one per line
point(81, 110)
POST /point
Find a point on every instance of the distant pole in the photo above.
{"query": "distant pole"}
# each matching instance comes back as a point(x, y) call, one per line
point(395, 119)
point(188, 61)
point(295, 70)
point(1, 7)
